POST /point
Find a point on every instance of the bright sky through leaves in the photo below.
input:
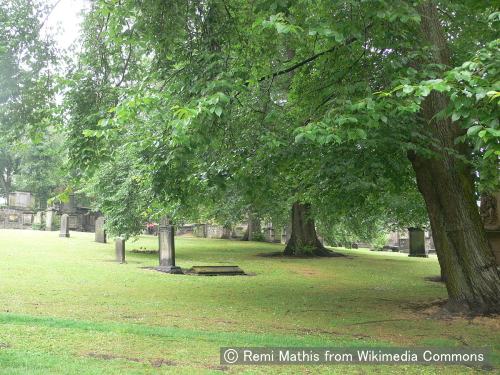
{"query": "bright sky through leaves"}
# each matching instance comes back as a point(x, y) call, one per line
point(65, 20)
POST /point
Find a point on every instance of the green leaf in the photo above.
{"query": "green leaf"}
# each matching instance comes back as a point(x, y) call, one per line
point(407, 89)
point(473, 130)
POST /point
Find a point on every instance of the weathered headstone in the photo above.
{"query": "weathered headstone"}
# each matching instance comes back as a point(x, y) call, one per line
point(120, 249)
point(100, 232)
point(49, 219)
point(27, 219)
point(166, 239)
point(269, 233)
point(38, 221)
point(64, 226)
point(417, 242)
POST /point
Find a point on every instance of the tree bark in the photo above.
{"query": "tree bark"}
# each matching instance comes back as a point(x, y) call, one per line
point(446, 183)
point(253, 228)
point(304, 240)
point(6, 179)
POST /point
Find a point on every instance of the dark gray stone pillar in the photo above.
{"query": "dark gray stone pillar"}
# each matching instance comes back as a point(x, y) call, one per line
point(166, 248)
point(417, 242)
point(100, 233)
point(64, 226)
point(120, 249)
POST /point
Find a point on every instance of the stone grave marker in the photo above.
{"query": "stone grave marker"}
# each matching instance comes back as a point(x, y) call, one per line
point(100, 232)
point(216, 270)
point(120, 249)
point(417, 242)
point(64, 226)
point(49, 220)
point(38, 218)
point(166, 246)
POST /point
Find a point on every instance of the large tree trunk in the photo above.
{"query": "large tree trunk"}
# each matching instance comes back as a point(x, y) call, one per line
point(446, 183)
point(304, 240)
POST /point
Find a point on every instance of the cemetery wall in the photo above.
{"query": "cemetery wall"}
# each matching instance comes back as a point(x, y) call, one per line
point(12, 218)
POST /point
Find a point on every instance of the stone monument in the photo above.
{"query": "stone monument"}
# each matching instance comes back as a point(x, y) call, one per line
point(100, 232)
point(38, 221)
point(417, 242)
point(49, 219)
point(166, 246)
point(120, 249)
point(64, 226)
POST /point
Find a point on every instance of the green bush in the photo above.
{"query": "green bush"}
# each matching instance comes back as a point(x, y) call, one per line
point(380, 241)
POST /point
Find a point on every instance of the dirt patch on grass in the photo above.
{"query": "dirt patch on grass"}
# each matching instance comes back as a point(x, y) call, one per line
point(160, 362)
point(139, 251)
point(433, 309)
point(217, 368)
point(435, 279)
point(309, 272)
point(279, 254)
point(440, 309)
point(155, 362)
point(491, 322)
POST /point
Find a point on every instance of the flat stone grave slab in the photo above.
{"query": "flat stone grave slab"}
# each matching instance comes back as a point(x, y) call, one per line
point(216, 271)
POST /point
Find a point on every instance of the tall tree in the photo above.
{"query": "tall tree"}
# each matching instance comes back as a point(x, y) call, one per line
point(217, 103)
point(26, 82)
point(446, 183)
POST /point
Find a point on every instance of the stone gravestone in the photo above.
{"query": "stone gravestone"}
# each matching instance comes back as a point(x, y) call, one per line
point(120, 249)
point(417, 242)
point(166, 248)
point(38, 221)
point(64, 226)
point(100, 232)
point(49, 220)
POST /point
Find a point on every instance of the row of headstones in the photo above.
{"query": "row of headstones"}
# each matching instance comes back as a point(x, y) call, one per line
point(166, 238)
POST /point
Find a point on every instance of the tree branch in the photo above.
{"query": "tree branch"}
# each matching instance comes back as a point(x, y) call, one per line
point(125, 67)
point(347, 42)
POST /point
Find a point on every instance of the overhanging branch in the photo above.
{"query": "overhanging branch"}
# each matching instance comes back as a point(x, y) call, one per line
point(347, 42)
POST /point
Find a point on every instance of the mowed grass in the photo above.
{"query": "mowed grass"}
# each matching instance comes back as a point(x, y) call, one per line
point(67, 308)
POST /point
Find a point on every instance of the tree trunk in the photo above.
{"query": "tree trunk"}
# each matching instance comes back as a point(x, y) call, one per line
point(6, 179)
point(304, 240)
point(226, 231)
point(253, 229)
point(446, 183)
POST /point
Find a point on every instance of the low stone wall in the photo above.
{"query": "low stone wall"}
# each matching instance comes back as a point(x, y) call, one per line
point(16, 218)
point(200, 230)
point(11, 218)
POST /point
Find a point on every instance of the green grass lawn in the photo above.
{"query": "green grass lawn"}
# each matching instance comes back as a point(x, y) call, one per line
point(67, 308)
